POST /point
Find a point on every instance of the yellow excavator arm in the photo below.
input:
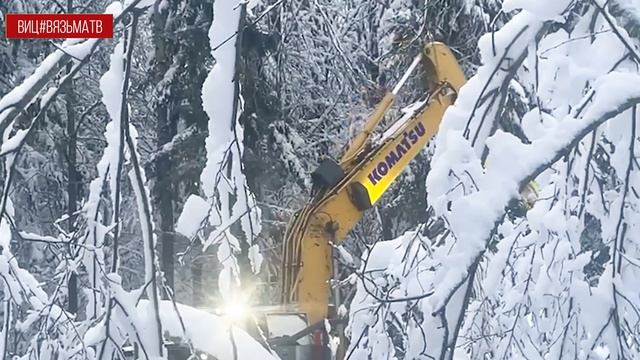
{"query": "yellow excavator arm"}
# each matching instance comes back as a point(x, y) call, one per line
point(351, 186)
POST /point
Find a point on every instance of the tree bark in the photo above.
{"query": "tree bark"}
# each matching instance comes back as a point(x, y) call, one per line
point(72, 184)
point(243, 259)
point(164, 132)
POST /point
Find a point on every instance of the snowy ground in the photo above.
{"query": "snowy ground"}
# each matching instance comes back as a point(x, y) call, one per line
point(208, 333)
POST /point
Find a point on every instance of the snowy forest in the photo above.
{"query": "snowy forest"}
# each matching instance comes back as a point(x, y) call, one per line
point(148, 180)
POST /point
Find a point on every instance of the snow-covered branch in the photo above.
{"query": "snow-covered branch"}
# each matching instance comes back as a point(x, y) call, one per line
point(223, 181)
point(504, 285)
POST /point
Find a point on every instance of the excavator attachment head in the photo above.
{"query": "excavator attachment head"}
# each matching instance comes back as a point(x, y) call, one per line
point(441, 67)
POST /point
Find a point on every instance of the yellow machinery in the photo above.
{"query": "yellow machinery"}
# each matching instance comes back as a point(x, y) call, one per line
point(345, 190)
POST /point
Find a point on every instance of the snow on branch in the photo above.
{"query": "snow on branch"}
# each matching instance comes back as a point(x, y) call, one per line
point(23, 99)
point(223, 181)
point(120, 322)
point(503, 285)
point(54, 332)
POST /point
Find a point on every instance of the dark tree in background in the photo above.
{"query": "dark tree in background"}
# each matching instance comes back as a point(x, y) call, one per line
point(179, 66)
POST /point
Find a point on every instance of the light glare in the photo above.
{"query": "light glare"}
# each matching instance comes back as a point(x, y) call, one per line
point(234, 311)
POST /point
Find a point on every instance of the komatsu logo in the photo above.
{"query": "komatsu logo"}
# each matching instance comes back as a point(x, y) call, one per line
point(410, 138)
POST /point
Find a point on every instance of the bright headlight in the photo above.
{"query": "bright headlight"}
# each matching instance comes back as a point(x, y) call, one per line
point(235, 312)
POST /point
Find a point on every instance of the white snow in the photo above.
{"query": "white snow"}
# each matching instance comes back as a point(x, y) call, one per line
point(475, 215)
point(209, 333)
point(20, 91)
point(345, 255)
point(115, 8)
point(529, 286)
point(73, 46)
point(82, 50)
point(223, 182)
point(193, 215)
point(218, 90)
point(43, 238)
point(380, 255)
point(111, 88)
point(13, 142)
point(141, 191)
point(256, 258)
point(543, 10)
point(143, 327)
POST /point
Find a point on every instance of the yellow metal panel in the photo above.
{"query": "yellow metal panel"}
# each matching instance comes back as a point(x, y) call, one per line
point(377, 175)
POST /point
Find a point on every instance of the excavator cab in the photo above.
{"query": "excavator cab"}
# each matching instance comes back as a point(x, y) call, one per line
point(327, 174)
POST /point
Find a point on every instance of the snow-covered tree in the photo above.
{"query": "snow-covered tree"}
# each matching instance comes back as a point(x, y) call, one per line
point(228, 200)
point(120, 307)
point(557, 281)
point(198, 120)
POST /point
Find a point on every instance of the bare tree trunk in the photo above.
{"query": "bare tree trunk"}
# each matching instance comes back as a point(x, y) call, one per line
point(196, 279)
point(72, 185)
point(243, 259)
point(164, 131)
point(165, 209)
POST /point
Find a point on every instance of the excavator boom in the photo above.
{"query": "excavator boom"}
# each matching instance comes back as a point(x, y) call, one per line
point(352, 186)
